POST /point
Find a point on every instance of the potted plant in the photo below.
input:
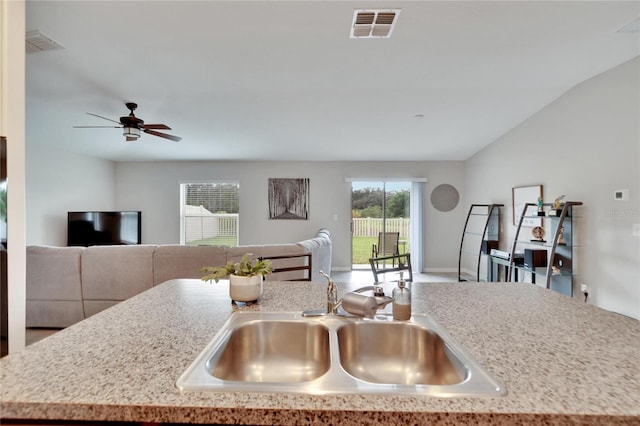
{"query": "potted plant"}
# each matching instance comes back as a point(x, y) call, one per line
point(245, 277)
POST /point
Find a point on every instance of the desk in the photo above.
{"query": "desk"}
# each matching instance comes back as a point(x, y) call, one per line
point(495, 262)
point(494, 268)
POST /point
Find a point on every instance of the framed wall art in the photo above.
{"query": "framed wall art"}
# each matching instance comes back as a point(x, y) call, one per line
point(288, 198)
point(522, 195)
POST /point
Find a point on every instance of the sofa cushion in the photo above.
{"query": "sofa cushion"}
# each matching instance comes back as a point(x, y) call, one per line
point(116, 272)
point(53, 313)
point(53, 273)
point(177, 261)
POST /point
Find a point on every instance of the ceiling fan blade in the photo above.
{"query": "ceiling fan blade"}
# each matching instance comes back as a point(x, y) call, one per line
point(104, 118)
point(163, 135)
point(97, 127)
point(157, 126)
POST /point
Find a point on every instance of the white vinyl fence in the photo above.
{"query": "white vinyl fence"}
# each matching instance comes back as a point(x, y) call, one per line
point(202, 225)
point(208, 225)
point(371, 226)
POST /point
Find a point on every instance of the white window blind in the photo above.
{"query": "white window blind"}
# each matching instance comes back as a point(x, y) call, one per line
point(209, 213)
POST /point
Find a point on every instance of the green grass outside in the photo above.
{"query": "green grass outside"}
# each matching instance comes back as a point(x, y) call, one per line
point(362, 249)
point(214, 241)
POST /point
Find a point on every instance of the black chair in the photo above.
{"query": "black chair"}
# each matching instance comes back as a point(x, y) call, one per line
point(404, 264)
point(291, 267)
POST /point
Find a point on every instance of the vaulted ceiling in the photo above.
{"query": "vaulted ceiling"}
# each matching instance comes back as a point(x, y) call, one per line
point(283, 80)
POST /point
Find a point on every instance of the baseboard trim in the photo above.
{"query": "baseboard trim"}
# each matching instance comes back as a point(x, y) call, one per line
point(440, 270)
point(424, 271)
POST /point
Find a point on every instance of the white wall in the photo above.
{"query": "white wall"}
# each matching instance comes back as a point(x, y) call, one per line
point(58, 182)
point(586, 144)
point(153, 188)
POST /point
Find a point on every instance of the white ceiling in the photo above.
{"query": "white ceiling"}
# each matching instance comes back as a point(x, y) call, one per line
point(282, 80)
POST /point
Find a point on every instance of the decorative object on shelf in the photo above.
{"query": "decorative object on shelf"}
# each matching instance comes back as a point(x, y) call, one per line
point(245, 277)
point(557, 206)
point(561, 241)
point(540, 207)
point(521, 196)
point(538, 234)
point(289, 198)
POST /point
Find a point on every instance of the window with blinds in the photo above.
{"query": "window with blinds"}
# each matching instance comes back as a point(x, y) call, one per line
point(209, 213)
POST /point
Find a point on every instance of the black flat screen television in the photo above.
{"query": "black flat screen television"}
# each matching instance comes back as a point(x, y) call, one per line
point(104, 228)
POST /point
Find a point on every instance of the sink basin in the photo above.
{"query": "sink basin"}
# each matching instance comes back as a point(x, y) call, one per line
point(273, 351)
point(398, 353)
point(286, 352)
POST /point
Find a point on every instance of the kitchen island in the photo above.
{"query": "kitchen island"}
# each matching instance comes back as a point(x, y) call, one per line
point(562, 361)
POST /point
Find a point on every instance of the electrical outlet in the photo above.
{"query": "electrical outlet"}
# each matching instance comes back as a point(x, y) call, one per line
point(584, 288)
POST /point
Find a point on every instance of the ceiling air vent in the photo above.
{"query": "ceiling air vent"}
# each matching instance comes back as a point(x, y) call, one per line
point(369, 23)
point(38, 42)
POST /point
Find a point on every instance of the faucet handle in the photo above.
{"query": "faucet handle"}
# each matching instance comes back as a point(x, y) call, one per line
point(378, 291)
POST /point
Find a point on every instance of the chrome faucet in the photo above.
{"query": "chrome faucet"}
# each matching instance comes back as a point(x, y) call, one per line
point(332, 295)
point(355, 305)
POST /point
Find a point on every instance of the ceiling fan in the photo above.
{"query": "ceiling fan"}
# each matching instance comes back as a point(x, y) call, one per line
point(132, 125)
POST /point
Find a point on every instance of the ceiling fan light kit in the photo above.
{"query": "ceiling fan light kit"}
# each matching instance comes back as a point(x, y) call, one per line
point(131, 132)
point(132, 126)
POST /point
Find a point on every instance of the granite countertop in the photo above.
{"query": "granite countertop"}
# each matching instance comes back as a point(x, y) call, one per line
point(562, 361)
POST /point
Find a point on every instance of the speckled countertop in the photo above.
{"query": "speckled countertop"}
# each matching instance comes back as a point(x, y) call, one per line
point(561, 360)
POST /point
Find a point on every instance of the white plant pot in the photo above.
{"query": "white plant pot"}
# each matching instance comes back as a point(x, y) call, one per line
point(245, 289)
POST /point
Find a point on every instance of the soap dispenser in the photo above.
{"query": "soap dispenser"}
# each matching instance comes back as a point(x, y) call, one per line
point(401, 301)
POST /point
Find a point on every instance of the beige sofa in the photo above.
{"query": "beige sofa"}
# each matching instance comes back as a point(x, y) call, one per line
point(68, 284)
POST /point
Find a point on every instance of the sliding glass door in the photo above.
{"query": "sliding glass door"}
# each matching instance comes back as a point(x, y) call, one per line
point(381, 219)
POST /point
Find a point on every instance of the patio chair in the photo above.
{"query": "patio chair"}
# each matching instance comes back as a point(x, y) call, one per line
point(404, 264)
point(387, 245)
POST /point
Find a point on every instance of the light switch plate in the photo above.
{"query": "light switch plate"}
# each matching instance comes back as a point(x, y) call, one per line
point(636, 230)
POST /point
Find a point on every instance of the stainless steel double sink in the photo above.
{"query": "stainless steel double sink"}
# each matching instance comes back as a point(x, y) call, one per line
point(286, 352)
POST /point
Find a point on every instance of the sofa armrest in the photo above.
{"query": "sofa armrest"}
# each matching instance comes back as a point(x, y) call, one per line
point(320, 248)
point(53, 286)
